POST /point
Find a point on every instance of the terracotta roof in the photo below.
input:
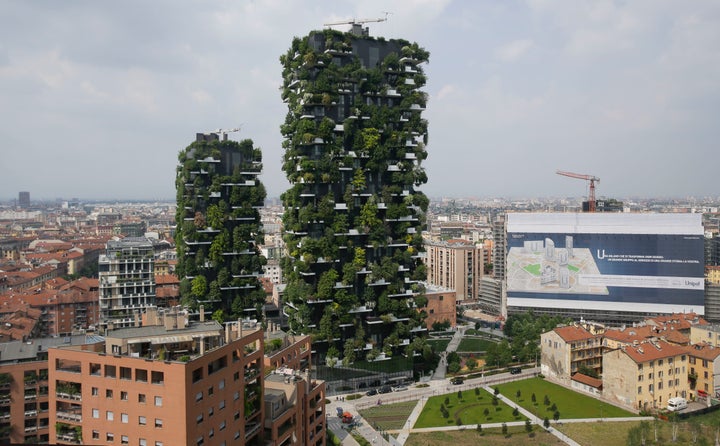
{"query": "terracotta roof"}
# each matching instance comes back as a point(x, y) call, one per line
point(166, 279)
point(19, 324)
point(704, 351)
point(588, 380)
point(676, 337)
point(651, 351)
point(572, 333)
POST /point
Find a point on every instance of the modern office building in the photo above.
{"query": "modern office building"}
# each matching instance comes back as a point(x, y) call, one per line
point(126, 281)
point(168, 382)
point(24, 199)
point(456, 264)
point(499, 247)
point(354, 143)
point(218, 225)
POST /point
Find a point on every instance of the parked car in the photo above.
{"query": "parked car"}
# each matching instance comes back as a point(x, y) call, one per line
point(385, 389)
point(371, 392)
point(457, 380)
point(399, 388)
point(515, 370)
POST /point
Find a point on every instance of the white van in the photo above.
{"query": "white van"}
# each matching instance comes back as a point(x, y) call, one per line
point(677, 403)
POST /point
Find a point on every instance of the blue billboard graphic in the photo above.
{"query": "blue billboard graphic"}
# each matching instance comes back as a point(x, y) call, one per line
point(642, 268)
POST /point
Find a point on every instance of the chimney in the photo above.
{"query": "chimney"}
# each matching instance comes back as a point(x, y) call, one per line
point(202, 313)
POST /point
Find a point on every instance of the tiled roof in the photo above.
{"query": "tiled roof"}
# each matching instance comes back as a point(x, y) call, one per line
point(651, 351)
point(588, 380)
point(572, 333)
point(704, 351)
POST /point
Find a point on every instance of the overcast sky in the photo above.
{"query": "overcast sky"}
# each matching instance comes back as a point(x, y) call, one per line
point(98, 97)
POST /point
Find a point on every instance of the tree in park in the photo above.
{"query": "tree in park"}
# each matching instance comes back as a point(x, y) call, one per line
point(534, 400)
point(528, 426)
point(546, 423)
point(556, 416)
point(516, 412)
point(486, 412)
point(477, 391)
point(447, 400)
point(553, 408)
point(459, 394)
point(504, 429)
point(471, 364)
point(546, 400)
point(495, 401)
point(517, 394)
point(479, 428)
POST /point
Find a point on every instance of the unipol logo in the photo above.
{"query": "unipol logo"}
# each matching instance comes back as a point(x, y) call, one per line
point(600, 254)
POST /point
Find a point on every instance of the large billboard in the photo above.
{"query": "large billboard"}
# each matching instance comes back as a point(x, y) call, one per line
point(613, 261)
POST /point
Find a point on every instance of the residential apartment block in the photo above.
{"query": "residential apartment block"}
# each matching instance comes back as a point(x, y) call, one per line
point(173, 383)
point(127, 281)
point(647, 375)
point(455, 264)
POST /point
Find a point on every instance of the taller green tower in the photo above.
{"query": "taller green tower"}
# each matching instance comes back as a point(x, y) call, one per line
point(354, 143)
point(218, 225)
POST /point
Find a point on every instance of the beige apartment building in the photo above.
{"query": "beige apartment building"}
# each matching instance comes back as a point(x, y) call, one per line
point(455, 264)
point(645, 376)
point(570, 349)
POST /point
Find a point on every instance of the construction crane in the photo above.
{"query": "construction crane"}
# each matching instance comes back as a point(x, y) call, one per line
point(591, 178)
point(222, 134)
point(357, 24)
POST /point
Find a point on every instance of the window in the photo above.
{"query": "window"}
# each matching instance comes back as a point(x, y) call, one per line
point(142, 442)
point(660, 384)
point(198, 396)
point(96, 413)
point(109, 371)
point(237, 435)
point(640, 377)
point(639, 390)
point(236, 376)
point(96, 435)
point(159, 443)
point(109, 415)
point(660, 362)
point(110, 437)
point(197, 374)
point(158, 401)
point(158, 377)
point(211, 411)
point(660, 374)
point(221, 384)
point(125, 373)
point(705, 374)
point(95, 391)
point(123, 395)
point(211, 391)
point(108, 393)
point(95, 369)
point(124, 418)
point(142, 421)
point(124, 439)
point(651, 387)
point(236, 416)
point(141, 375)
point(236, 396)
point(141, 398)
point(221, 405)
point(211, 433)
point(199, 418)
point(200, 441)
point(222, 425)
point(158, 422)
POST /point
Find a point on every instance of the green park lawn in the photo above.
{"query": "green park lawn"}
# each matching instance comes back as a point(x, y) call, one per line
point(570, 404)
point(475, 345)
point(438, 345)
point(470, 409)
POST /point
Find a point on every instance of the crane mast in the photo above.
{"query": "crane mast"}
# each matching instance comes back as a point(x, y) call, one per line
point(591, 178)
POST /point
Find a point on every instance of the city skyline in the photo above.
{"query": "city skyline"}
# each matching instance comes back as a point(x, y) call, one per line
point(100, 106)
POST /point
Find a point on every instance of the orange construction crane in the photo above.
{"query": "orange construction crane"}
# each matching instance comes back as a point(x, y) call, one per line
point(591, 178)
